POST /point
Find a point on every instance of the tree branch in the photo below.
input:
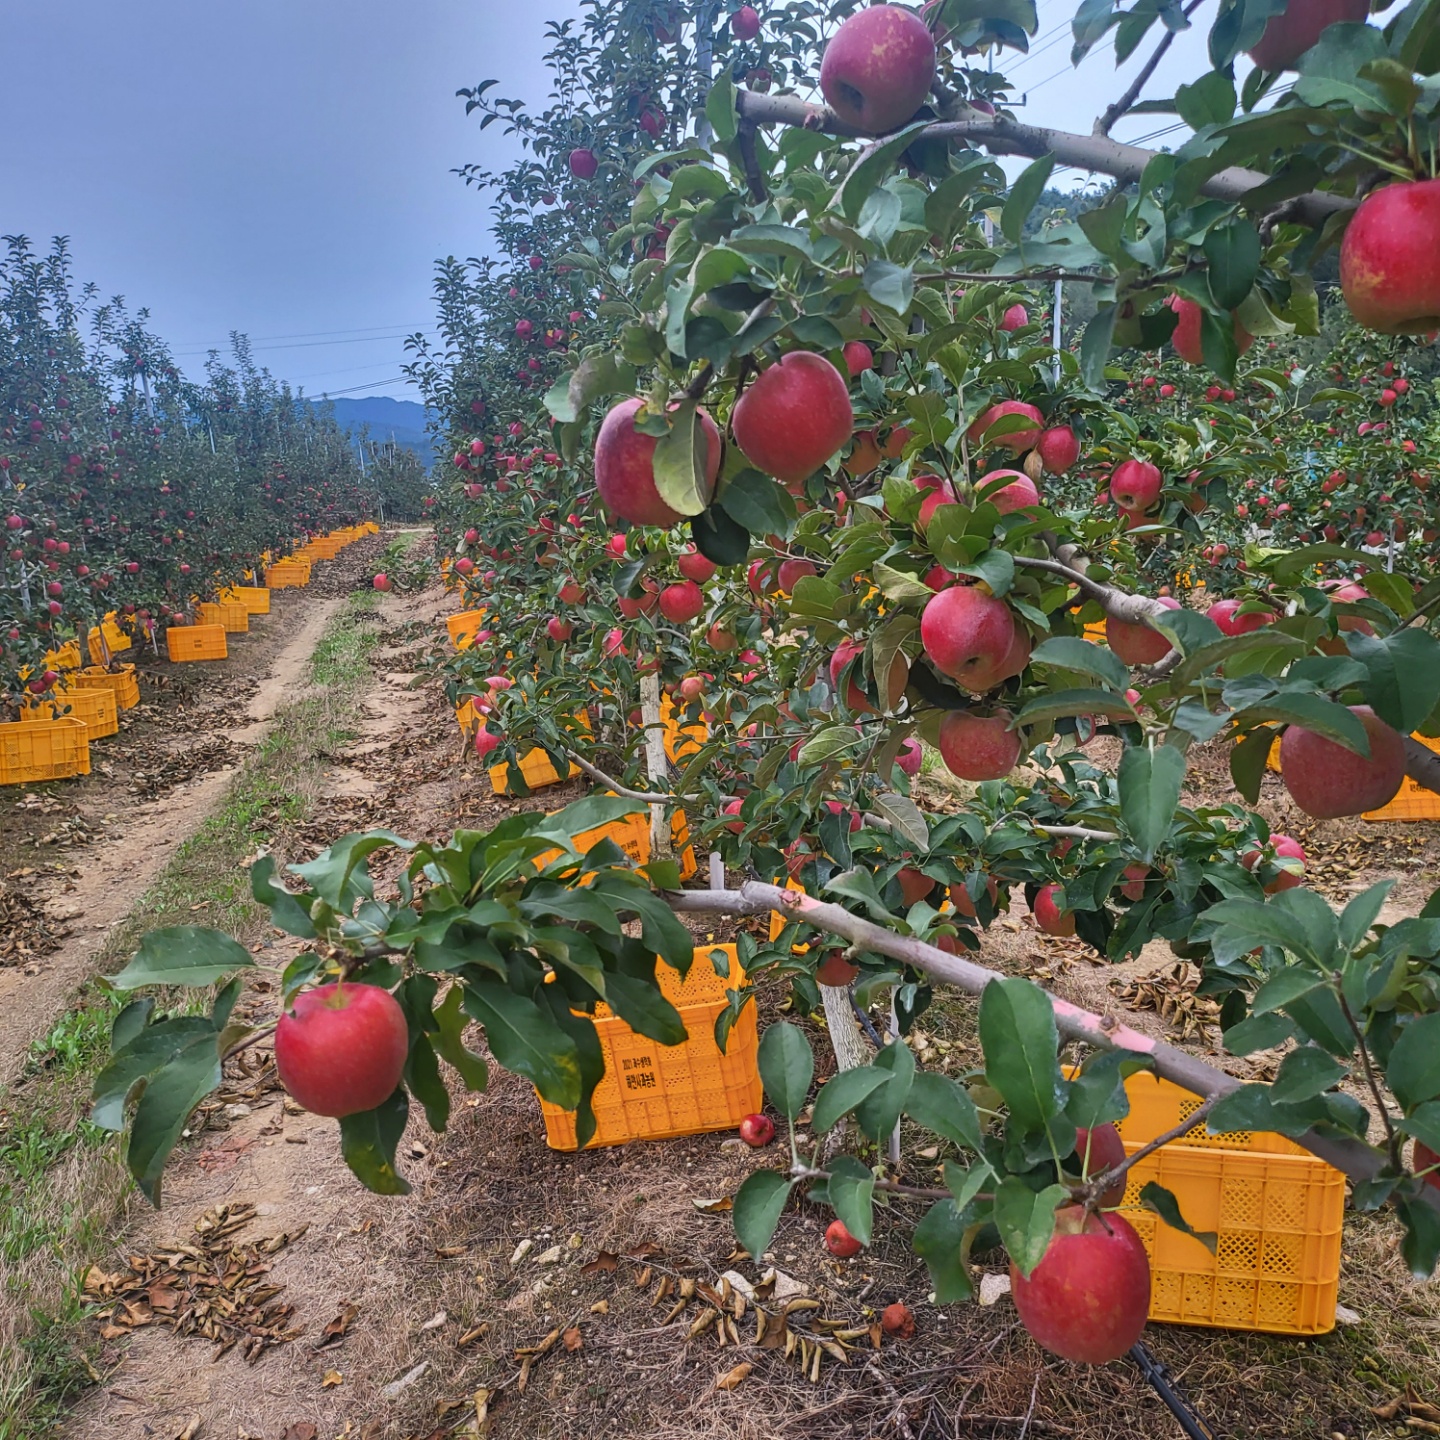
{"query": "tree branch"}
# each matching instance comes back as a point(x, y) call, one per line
point(751, 162)
point(647, 797)
point(1422, 764)
point(1123, 104)
point(1004, 136)
point(1353, 1157)
point(1101, 1183)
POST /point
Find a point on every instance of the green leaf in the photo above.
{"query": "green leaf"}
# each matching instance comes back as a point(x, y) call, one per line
point(1361, 913)
point(1413, 1072)
point(1247, 1108)
point(1069, 652)
point(896, 585)
point(1167, 1207)
point(1404, 675)
point(368, 1141)
point(720, 108)
point(759, 503)
point(1059, 703)
point(1209, 101)
point(1258, 1032)
point(851, 1188)
point(1024, 195)
point(422, 1079)
point(1095, 348)
point(286, 911)
point(941, 1240)
point(526, 1041)
point(905, 815)
point(832, 740)
point(1330, 70)
point(331, 874)
point(965, 1185)
point(758, 1204)
point(639, 1003)
point(879, 1112)
point(944, 1107)
point(870, 171)
point(1149, 783)
point(1026, 1220)
point(1420, 1245)
point(183, 955)
point(1234, 253)
point(449, 1041)
point(1247, 761)
point(890, 286)
point(1097, 1093)
point(1021, 1045)
point(1305, 1073)
point(842, 1093)
point(679, 462)
point(786, 1068)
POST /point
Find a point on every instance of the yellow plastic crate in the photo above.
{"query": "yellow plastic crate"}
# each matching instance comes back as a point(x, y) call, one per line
point(682, 742)
point(1277, 1211)
point(67, 657)
point(1412, 802)
point(115, 638)
point(196, 642)
point(285, 574)
point(37, 750)
point(97, 709)
point(632, 835)
point(123, 683)
point(233, 617)
point(255, 598)
point(535, 766)
point(464, 627)
point(656, 1092)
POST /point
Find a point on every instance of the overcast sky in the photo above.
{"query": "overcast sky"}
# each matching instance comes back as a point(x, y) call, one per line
point(282, 167)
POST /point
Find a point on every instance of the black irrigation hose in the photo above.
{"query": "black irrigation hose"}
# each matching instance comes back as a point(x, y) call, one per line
point(1159, 1379)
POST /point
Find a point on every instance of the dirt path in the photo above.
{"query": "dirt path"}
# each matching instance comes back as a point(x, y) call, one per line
point(95, 896)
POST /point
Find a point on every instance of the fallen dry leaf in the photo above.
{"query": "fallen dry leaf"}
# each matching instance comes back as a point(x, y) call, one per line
point(334, 1332)
point(476, 1332)
point(330, 1379)
point(300, 1430)
point(600, 1307)
point(449, 1252)
point(572, 1339)
point(732, 1378)
point(191, 1430)
point(715, 1207)
point(604, 1263)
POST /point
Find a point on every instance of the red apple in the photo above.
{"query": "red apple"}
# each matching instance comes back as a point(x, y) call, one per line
point(914, 884)
point(795, 415)
point(911, 755)
point(1048, 914)
point(855, 699)
point(1284, 848)
point(732, 807)
point(1088, 1298)
point(878, 68)
point(1014, 318)
point(1017, 441)
point(1298, 27)
point(838, 1240)
point(381, 582)
point(1135, 484)
point(1328, 781)
point(757, 1130)
point(858, 358)
point(1139, 644)
point(340, 1050)
point(790, 572)
point(1016, 495)
point(559, 629)
point(1134, 877)
point(968, 636)
point(1425, 1158)
point(978, 747)
point(1389, 263)
point(583, 164)
point(1059, 448)
point(1099, 1150)
point(1186, 335)
point(625, 468)
point(745, 23)
point(1223, 613)
point(964, 905)
point(835, 970)
point(898, 1320)
point(694, 566)
point(682, 602)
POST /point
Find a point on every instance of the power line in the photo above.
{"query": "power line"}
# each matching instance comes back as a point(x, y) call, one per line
point(308, 335)
point(307, 344)
point(374, 384)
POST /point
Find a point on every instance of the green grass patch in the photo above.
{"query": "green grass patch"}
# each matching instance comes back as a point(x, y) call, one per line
point(64, 1189)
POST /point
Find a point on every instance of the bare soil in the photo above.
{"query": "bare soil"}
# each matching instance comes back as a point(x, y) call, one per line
point(522, 1292)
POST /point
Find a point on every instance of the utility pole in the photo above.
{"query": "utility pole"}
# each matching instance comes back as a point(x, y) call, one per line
point(704, 65)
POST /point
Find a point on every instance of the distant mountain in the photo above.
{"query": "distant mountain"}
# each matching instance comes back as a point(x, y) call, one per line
point(386, 418)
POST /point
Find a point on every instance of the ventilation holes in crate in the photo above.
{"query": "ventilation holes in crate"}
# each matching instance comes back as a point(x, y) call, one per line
point(1276, 1302)
point(1199, 1292)
point(1230, 1140)
point(1237, 1250)
point(1165, 1293)
point(1234, 1300)
point(1241, 1204)
point(1284, 1206)
point(1283, 1254)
